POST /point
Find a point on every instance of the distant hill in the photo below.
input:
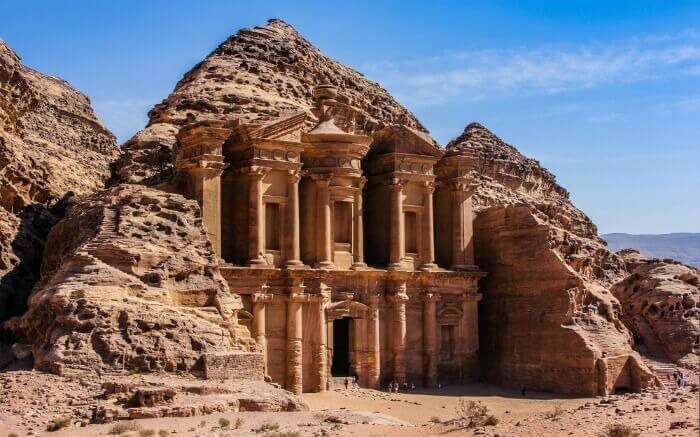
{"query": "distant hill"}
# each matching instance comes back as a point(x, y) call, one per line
point(683, 247)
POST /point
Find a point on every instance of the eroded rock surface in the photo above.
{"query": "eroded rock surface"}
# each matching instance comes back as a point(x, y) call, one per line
point(130, 281)
point(548, 317)
point(503, 176)
point(543, 326)
point(661, 305)
point(257, 74)
point(51, 143)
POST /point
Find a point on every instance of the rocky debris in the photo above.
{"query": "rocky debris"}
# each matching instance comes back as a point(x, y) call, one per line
point(130, 281)
point(51, 143)
point(152, 396)
point(29, 400)
point(543, 326)
point(660, 303)
point(257, 74)
point(503, 176)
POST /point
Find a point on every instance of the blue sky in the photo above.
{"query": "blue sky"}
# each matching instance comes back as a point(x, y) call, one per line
point(605, 94)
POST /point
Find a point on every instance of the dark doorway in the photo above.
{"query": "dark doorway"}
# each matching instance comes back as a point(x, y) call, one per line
point(341, 347)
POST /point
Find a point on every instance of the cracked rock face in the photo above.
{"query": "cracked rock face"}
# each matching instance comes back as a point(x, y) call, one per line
point(661, 305)
point(257, 74)
point(51, 143)
point(130, 281)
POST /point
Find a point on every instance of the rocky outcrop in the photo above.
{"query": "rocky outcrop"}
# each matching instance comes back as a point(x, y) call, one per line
point(542, 324)
point(547, 317)
point(661, 305)
point(51, 143)
point(130, 281)
point(257, 74)
point(503, 176)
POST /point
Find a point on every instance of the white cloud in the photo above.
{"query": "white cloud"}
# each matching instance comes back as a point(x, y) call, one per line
point(540, 70)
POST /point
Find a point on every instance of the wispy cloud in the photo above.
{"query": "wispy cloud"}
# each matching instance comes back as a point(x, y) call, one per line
point(543, 70)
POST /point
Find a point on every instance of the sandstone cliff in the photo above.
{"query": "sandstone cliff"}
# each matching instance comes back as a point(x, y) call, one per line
point(258, 73)
point(51, 143)
point(547, 317)
point(130, 281)
point(661, 305)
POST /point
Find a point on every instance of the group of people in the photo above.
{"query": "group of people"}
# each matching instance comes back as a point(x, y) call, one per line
point(394, 386)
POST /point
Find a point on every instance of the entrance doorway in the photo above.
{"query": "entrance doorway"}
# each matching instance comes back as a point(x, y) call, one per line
point(341, 347)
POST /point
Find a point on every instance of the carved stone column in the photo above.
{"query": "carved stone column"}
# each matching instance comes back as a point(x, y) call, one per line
point(293, 252)
point(259, 301)
point(256, 221)
point(323, 233)
point(321, 351)
point(294, 341)
point(373, 346)
point(358, 249)
point(430, 361)
point(399, 300)
point(428, 233)
point(462, 245)
point(469, 330)
point(397, 237)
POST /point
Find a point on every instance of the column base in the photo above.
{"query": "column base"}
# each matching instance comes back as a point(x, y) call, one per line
point(259, 262)
point(326, 265)
point(429, 267)
point(295, 264)
point(358, 266)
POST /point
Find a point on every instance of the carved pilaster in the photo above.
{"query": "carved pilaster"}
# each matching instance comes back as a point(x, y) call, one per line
point(293, 253)
point(398, 300)
point(428, 256)
point(323, 219)
point(256, 221)
point(397, 249)
point(430, 299)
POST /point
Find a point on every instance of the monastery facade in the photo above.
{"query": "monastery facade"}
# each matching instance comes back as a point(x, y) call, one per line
point(353, 254)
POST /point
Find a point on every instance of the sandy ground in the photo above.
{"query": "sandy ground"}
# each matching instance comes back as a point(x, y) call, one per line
point(416, 414)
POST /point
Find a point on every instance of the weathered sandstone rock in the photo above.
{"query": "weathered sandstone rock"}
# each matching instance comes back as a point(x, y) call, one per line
point(503, 176)
point(547, 317)
point(543, 326)
point(661, 305)
point(51, 143)
point(257, 74)
point(130, 281)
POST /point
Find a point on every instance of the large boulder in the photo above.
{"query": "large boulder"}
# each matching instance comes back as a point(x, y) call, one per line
point(257, 74)
point(661, 305)
point(51, 143)
point(130, 281)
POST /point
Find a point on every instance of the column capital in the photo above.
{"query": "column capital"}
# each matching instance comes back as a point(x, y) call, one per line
point(322, 178)
point(396, 184)
point(261, 297)
point(293, 176)
point(374, 298)
point(361, 182)
point(299, 298)
point(428, 187)
point(431, 296)
point(256, 171)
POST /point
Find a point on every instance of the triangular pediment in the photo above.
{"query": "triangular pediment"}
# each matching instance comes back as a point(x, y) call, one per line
point(402, 139)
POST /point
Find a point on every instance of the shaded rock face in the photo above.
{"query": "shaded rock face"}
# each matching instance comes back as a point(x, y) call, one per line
point(257, 74)
point(542, 325)
point(130, 281)
point(51, 143)
point(661, 305)
point(503, 176)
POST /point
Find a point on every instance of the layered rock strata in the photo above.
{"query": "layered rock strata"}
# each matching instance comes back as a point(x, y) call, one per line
point(661, 305)
point(130, 281)
point(256, 75)
point(51, 143)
